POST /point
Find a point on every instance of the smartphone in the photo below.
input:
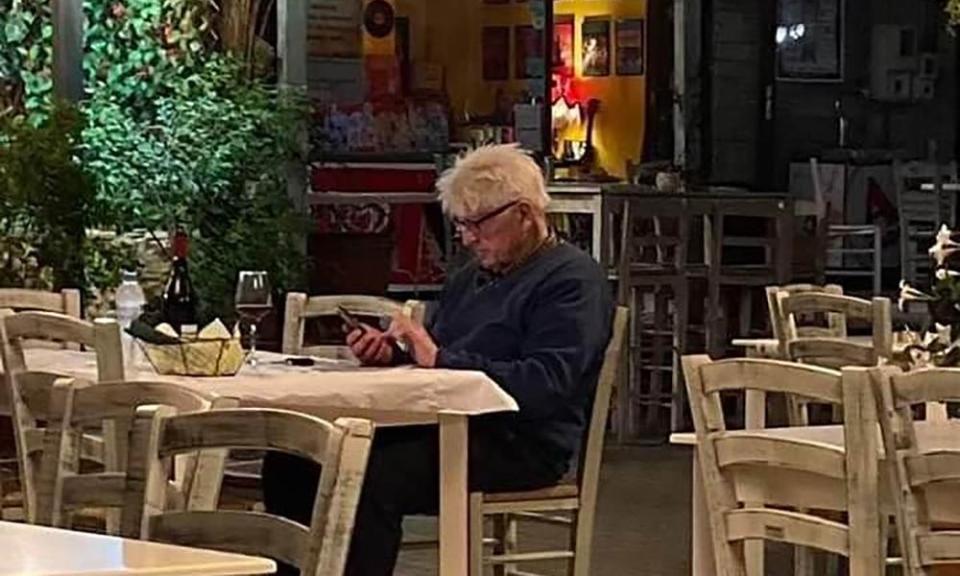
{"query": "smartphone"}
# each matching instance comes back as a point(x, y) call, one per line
point(349, 320)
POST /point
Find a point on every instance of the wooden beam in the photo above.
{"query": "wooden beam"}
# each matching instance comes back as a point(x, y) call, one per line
point(68, 49)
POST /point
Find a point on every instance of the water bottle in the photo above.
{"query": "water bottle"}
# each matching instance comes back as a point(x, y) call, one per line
point(130, 301)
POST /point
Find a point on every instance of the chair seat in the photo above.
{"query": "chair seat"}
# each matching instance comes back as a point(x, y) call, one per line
point(550, 493)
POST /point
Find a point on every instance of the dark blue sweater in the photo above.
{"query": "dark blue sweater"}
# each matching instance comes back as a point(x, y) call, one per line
point(540, 332)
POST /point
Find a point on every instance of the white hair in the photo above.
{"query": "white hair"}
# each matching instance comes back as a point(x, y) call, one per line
point(490, 177)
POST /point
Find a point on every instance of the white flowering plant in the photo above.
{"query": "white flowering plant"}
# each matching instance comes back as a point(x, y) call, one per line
point(939, 346)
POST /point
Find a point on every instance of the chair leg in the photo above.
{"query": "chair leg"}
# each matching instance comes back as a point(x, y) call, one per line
point(475, 515)
point(877, 261)
point(581, 542)
point(681, 305)
point(505, 533)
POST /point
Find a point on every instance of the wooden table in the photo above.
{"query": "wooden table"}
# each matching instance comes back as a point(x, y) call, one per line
point(826, 495)
point(389, 396)
point(42, 551)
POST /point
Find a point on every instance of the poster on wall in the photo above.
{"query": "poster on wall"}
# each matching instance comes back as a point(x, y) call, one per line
point(528, 52)
point(333, 29)
point(561, 63)
point(630, 43)
point(496, 53)
point(809, 40)
point(563, 45)
point(595, 33)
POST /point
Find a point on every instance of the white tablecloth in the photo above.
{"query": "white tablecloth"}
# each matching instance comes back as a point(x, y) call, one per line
point(329, 388)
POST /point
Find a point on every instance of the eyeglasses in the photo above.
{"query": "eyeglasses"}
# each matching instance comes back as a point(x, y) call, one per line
point(473, 224)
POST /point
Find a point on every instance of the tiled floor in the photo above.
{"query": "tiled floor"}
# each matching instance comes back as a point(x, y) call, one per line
point(643, 521)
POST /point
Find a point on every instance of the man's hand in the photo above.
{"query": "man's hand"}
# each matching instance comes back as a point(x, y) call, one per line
point(419, 343)
point(371, 346)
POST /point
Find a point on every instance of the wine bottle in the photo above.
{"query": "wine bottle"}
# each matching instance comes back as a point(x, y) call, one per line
point(179, 299)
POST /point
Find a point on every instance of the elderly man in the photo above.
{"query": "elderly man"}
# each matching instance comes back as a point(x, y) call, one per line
point(532, 312)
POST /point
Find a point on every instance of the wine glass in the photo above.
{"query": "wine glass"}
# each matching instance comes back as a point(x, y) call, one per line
point(253, 301)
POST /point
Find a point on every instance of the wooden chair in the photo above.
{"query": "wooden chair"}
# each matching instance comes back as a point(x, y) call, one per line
point(764, 260)
point(67, 301)
point(834, 351)
point(924, 477)
point(843, 258)
point(28, 411)
point(654, 283)
point(921, 213)
point(341, 448)
point(76, 407)
point(757, 487)
point(300, 308)
point(579, 499)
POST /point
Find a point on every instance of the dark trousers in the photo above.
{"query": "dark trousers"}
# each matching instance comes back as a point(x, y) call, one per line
point(403, 478)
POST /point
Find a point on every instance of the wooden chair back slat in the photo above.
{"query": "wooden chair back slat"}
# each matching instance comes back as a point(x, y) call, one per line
point(924, 386)
point(811, 302)
point(797, 382)
point(341, 448)
point(67, 301)
point(932, 467)
point(300, 308)
point(786, 526)
point(832, 352)
point(810, 457)
point(281, 539)
point(250, 428)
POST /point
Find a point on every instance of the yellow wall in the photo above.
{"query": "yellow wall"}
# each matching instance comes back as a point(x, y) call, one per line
point(449, 32)
point(620, 123)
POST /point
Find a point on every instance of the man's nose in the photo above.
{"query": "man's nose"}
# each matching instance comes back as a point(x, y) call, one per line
point(467, 238)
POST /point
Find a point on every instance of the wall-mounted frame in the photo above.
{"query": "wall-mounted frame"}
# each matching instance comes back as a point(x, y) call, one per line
point(630, 46)
point(595, 42)
point(809, 40)
point(528, 52)
point(496, 53)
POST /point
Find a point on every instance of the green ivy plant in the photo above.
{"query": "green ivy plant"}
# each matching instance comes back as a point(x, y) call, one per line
point(129, 46)
point(44, 202)
point(212, 159)
point(26, 56)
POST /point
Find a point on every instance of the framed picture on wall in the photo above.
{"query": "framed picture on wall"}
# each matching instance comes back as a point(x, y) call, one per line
point(528, 52)
point(563, 32)
point(630, 46)
point(496, 52)
point(595, 34)
point(809, 40)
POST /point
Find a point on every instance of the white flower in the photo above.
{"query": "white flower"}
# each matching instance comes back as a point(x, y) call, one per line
point(944, 246)
point(908, 294)
point(942, 334)
point(944, 273)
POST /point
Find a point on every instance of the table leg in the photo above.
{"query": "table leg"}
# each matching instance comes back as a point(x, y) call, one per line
point(453, 522)
point(702, 561)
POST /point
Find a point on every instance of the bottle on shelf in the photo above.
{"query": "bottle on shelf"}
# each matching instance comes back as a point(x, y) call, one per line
point(129, 301)
point(179, 298)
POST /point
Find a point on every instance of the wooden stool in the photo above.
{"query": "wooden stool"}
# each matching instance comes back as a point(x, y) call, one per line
point(654, 283)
